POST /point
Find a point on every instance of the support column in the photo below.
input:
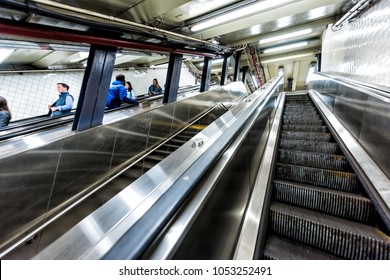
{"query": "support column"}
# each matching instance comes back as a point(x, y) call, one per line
point(244, 72)
point(225, 70)
point(94, 89)
point(237, 66)
point(171, 86)
point(206, 74)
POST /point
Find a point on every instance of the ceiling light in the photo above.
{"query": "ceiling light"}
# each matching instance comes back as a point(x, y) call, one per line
point(287, 57)
point(214, 61)
point(4, 53)
point(286, 36)
point(237, 13)
point(79, 56)
point(286, 47)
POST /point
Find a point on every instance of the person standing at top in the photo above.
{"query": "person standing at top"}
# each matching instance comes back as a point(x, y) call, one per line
point(63, 104)
point(131, 95)
point(117, 93)
point(154, 88)
point(5, 114)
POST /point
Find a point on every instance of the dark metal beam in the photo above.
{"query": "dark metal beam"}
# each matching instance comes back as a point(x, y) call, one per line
point(206, 75)
point(94, 89)
point(173, 78)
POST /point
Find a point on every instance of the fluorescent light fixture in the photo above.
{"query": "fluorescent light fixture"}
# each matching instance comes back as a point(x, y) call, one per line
point(286, 36)
point(216, 61)
point(237, 13)
point(4, 53)
point(79, 56)
point(286, 47)
point(287, 57)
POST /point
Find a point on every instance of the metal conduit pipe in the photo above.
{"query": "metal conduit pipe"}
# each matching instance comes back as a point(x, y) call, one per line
point(162, 32)
point(55, 34)
point(359, 7)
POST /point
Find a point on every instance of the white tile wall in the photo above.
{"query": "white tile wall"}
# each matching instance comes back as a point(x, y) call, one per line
point(28, 94)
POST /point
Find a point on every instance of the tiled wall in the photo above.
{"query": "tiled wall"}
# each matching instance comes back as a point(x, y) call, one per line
point(28, 94)
point(360, 50)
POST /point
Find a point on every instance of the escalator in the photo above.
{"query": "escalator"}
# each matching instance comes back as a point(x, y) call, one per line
point(97, 197)
point(319, 207)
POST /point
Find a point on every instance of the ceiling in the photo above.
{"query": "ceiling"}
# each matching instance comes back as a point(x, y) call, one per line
point(148, 30)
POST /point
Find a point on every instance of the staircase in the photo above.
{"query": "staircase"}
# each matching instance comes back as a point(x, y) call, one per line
point(319, 209)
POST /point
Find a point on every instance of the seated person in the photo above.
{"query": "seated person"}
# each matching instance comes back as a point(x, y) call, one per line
point(154, 88)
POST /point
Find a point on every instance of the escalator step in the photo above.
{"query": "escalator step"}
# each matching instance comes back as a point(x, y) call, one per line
point(342, 181)
point(326, 161)
point(309, 128)
point(155, 157)
point(342, 204)
point(301, 117)
point(309, 146)
point(278, 248)
point(337, 236)
point(299, 108)
point(176, 141)
point(300, 121)
point(311, 113)
point(308, 136)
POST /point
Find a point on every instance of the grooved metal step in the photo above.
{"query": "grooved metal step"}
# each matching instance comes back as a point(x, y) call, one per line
point(309, 146)
point(342, 204)
point(325, 161)
point(343, 181)
point(279, 248)
point(318, 208)
point(302, 121)
point(308, 136)
point(332, 234)
point(308, 128)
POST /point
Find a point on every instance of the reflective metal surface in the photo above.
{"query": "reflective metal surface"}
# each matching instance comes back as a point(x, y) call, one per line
point(122, 227)
point(362, 110)
point(44, 176)
point(359, 50)
point(249, 234)
point(367, 162)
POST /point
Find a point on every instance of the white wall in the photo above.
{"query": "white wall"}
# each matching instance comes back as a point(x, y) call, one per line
point(28, 94)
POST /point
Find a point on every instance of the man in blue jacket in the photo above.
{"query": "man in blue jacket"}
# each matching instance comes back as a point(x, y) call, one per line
point(64, 103)
point(117, 93)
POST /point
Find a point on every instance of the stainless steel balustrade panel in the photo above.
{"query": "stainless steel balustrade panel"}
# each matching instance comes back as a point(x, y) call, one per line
point(85, 159)
point(35, 184)
point(213, 234)
point(375, 132)
point(131, 138)
point(349, 107)
point(362, 109)
point(327, 88)
point(105, 225)
point(26, 184)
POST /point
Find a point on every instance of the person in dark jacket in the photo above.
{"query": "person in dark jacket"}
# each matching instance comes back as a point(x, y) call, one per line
point(64, 104)
point(117, 93)
point(5, 114)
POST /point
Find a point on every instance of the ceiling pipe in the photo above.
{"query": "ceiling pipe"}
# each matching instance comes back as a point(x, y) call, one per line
point(60, 35)
point(359, 7)
point(162, 32)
